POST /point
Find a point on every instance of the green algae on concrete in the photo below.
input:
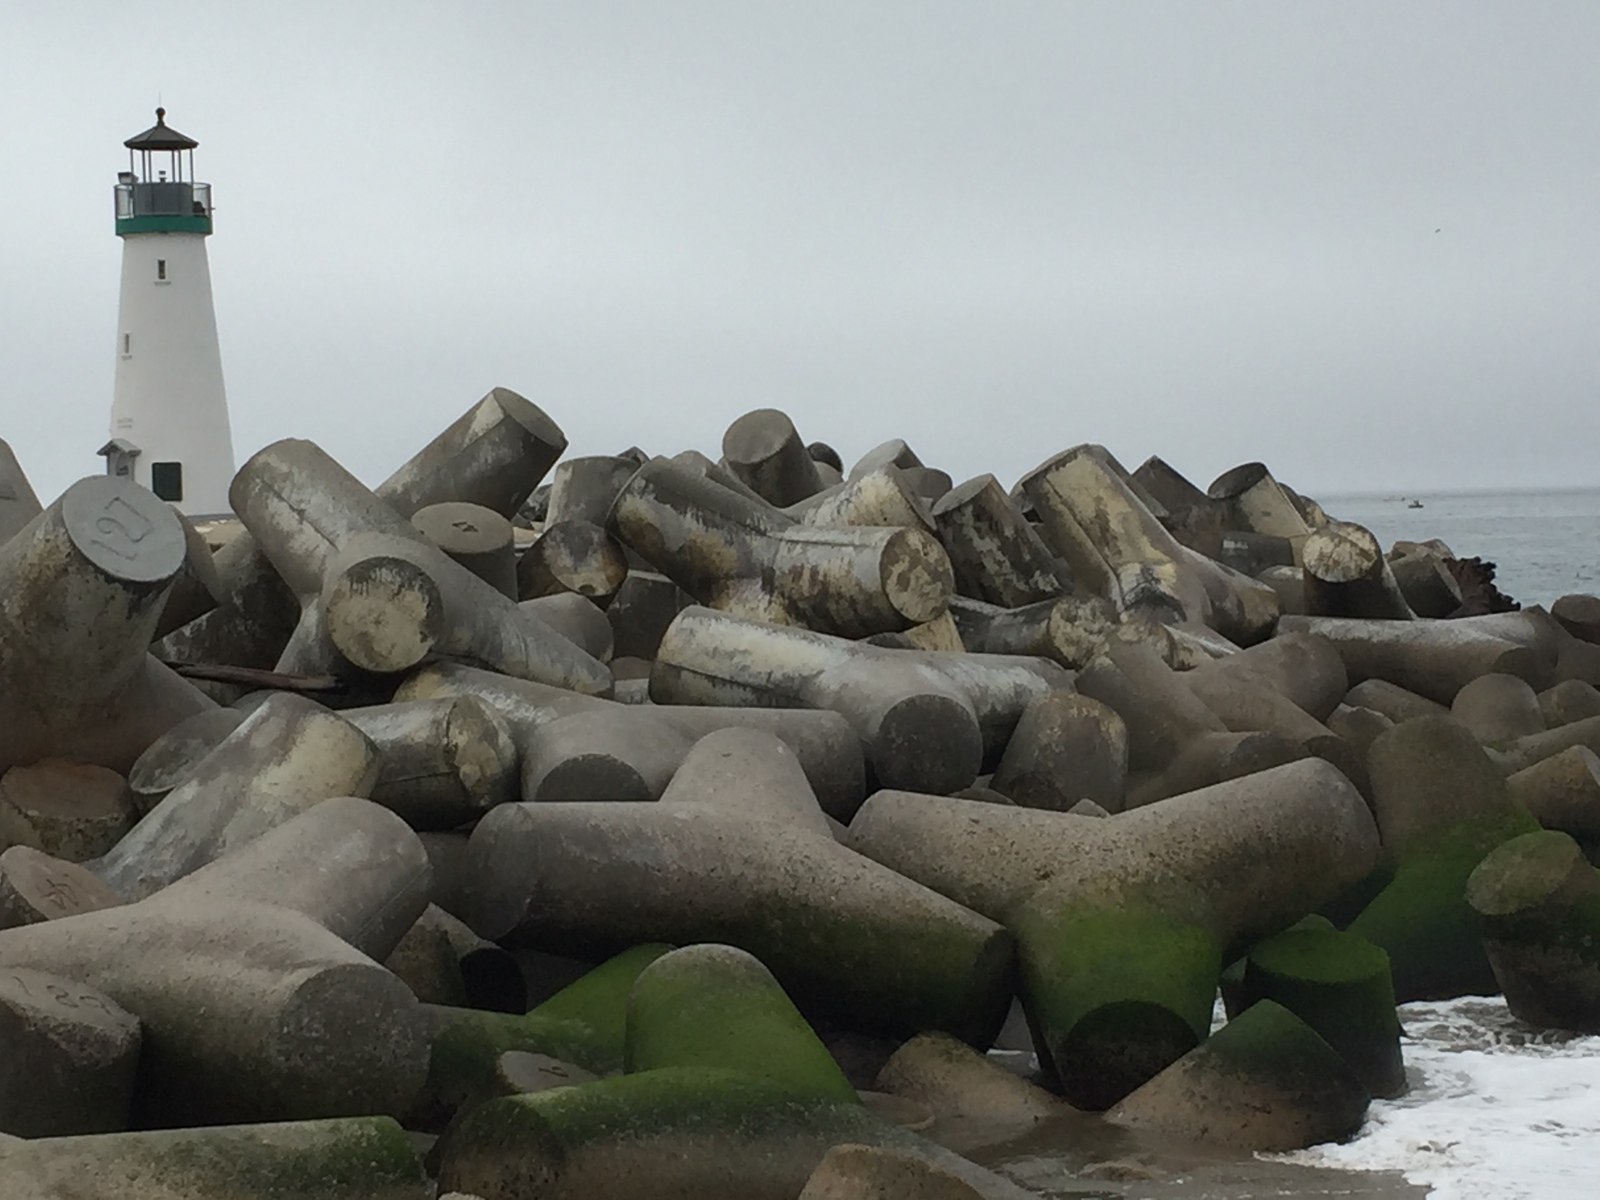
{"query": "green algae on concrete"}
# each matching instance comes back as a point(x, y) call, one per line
point(584, 1023)
point(1421, 919)
point(1339, 984)
point(1264, 1081)
point(684, 1133)
point(369, 1157)
point(1537, 903)
point(597, 1001)
point(717, 1006)
point(678, 1131)
point(1116, 991)
point(1441, 805)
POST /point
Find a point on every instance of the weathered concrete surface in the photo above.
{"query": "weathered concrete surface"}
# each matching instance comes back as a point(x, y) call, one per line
point(285, 757)
point(82, 586)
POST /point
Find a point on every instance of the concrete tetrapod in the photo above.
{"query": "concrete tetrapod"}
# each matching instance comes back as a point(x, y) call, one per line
point(641, 611)
point(171, 757)
point(735, 555)
point(1251, 499)
point(82, 587)
point(1161, 713)
point(1093, 517)
point(1579, 614)
point(1211, 759)
point(389, 604)
point(716, 1006)
point(1338, 984)
point(1304, 831)
point(577, 557)
point(977, 1101)
point(1391, 700)
point(1066, 748)
point(478, 538)
point(1123, 923)
point(748, 772)
point(1435, 659)
point(70, 810)
point(252, 624)
point(18, 503)
point(880, 497)
point(853, 1172)
point(926, 720)
point(1265, 1081)
point(892, 453)
point(1247, 704)
point(1176, 742)
point(1562, 792)
point(1070, 630)
point(1300, 666)
point(1346, 575)
point(764, 451)
point(252, 976)
point(71, 1055)
point(35, 887)
point(363, 1156)
point(283, 758)
point(996, 555)
point(1113, 543)
point(1441, 806)
point(493, 455)
point(442, 762)
point(584, 489)
point(578, 619)
point(352, 866)
point(842, 934)
point(678, 1131)
point(1537, 903)
point(1359, 726)
point(1568, 701)
point(197, 589)
point(1498, 708)
point(584, 748)
point(441, 954)
point(374, 590)
point(585, 1023)
point(1424, 579)
point(1523, 753)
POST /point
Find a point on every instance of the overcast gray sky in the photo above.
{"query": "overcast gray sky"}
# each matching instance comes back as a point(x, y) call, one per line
point(1358, 241)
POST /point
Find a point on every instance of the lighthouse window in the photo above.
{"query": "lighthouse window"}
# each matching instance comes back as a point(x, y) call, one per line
point(127, 342)
point(161, 268)
point(166, 480)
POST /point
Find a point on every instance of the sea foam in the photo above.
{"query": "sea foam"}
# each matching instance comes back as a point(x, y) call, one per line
point(1496, 1108)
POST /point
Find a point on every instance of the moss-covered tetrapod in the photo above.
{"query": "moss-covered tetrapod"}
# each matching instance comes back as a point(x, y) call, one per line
point(1338, 984)
point(584, 1023)
point(717, 1006)
point(679, 1131)
point(1441, 806)
point(1264, 1081)
point(1537, 901)
point(1115, 993)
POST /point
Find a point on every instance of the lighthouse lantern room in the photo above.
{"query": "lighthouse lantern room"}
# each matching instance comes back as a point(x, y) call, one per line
point(169, 411)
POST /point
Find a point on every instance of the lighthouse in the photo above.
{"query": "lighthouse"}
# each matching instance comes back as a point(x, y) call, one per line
point(169, 412)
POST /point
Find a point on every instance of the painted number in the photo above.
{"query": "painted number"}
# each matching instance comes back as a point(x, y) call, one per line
point(121, 528)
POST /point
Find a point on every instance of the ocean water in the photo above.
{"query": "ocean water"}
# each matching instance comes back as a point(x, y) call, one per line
point(1545, 544)
point(1497, 1110)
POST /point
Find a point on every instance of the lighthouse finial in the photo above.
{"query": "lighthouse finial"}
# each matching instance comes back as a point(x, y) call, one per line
point(161, 115)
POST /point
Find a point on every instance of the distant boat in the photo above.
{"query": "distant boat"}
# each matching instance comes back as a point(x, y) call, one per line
point(1415, 504)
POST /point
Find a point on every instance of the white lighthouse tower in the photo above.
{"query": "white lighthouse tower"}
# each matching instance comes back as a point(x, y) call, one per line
point(169, 413)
